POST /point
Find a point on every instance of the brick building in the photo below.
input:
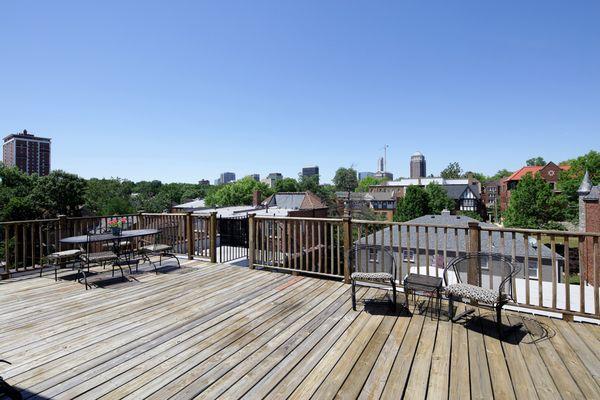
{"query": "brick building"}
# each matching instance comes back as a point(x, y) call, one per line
point(589, 221)
point(548, 172)
point(29, 153)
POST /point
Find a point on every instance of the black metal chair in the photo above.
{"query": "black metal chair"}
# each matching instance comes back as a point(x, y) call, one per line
point(89, 256)
point(58, 259)
point(157, 248)
point(369, 256)
point(491, 276)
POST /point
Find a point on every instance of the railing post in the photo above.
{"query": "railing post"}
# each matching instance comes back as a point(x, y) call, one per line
point(140, 219)
point(347, 226)
point(190, 235)
point(251, 246)
point(213, 236)
point(62, 229)
point(474, 246)
point(6, 273)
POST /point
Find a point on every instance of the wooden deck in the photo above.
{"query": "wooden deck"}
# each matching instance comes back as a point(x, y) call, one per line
point(219, 331)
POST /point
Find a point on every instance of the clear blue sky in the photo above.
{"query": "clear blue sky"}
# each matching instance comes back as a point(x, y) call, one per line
point(184, 90)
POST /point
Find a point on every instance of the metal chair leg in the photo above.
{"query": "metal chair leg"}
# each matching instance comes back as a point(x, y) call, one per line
point(394, 293)
point(353, 295)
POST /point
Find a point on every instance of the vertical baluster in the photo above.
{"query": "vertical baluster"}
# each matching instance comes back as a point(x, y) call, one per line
point(540, 271)
point(408, 250)
point(16, 249)
point(526, 266)
point(302, 234)
point(312, 248)
point(567, 274)
point(392, 253)
point(445, 247)
point(427, 259)
point(359, 265)
point(491, 260)
point(554, 269)
point(382, 262)
point(596, 272)
point(399, 274)
point(320, 263)
point(436, 251)
point(339, 260)
point(418, 249)
point(582, 269)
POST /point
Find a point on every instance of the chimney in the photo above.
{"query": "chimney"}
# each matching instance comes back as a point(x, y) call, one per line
point(256, 198)
point(584, 189)
point(445, 212)
point(470, 178)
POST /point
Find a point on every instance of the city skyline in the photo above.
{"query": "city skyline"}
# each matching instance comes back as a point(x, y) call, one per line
point(276, 86)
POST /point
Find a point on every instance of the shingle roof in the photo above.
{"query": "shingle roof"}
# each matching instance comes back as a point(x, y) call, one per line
point(457, 221)
point(455, 191)
point(593, 195)
point(295, 201)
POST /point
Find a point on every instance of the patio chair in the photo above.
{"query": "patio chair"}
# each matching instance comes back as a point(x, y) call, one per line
point(492, 286)
point(89, 257)
point(57, 259)
point(363, 273)
point(156, 247)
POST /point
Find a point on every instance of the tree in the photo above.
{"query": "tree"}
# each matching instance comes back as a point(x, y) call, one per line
point(476, 175)
point(363, 185)
point(438, 199)
point(287, 185)
point(533, 205)
point(59, 193)
point(536, 161)
point(237, 193)
point(569, 180)
point(503, 173)
point(310, 183)
point(345, 179)
point(452, 171)
point(414, 204)
point(109, 196)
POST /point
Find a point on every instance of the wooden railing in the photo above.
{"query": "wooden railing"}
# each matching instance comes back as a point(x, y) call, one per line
point(559, 271)
point(25, 244)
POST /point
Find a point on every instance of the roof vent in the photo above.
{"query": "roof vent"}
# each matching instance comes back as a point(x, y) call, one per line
point(445, 212)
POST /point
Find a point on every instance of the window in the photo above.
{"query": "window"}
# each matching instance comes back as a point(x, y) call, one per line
point(408, 255)
point(372, 255)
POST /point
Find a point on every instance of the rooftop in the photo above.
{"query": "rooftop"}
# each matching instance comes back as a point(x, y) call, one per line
point(214, 330)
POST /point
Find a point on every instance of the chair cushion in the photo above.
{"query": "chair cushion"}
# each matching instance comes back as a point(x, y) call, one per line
point(64, 254)
point(155, 248)
point(371, 276)
point(101, 256)
point(482, 295)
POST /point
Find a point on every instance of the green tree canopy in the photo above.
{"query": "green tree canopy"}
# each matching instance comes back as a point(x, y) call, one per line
point(308, 183)
point(363, 185)
point(237, 193)
point(533, 205)
point(503, 173)
point(438, 199)
point(109, 196)
point(345, 179)
point(536, 161)
point(414, 204)
point(452, 171)
point(287, 185)
point(59, 193)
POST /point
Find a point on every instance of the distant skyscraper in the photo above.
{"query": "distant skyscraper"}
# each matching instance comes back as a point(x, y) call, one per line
point(225, 177)
point(363, 175)
point(381, 164)
point(418, 168)
point(310, 171)
point(256, 177)
point(272, 179)
point(29, 153)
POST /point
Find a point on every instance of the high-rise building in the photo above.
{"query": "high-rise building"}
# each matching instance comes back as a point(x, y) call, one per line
point(363, 175)
point(272, 179)
point(225, 177)
point(310, 171)
point(381, 164)
point(29, 153)
point(418, 168)
point(256, 177)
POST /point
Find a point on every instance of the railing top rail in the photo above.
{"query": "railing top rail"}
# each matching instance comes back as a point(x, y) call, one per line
point(539, 231)
point(163, 214)
point(102, 216)
point(299, 218)
point(29, 221)
point(367, 222)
